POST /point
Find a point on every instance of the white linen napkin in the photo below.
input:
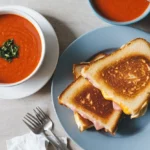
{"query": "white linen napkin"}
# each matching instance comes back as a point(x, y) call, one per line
point(30, 141)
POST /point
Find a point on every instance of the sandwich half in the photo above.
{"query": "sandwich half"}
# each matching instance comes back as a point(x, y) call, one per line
point(87, 101)
point(124, 76)
point(81, 97)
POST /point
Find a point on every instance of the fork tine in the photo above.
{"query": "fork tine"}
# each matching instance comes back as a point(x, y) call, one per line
point(40, 112)
point(30, 127)
point(38, 116)
point(32, 123)
point(43, 113)
point(35, 120)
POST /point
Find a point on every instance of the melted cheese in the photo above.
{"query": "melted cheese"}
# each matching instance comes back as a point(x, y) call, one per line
point(126, 110)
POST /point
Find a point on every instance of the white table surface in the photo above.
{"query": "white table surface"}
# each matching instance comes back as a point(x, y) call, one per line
point(70, 19)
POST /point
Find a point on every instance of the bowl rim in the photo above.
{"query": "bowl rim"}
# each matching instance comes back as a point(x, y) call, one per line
point(42, 38)
point(143, 15)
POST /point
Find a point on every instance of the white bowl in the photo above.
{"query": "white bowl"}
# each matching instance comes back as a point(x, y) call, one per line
point(35, 24)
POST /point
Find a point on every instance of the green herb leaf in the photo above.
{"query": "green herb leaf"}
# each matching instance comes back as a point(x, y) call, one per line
point(9, 50)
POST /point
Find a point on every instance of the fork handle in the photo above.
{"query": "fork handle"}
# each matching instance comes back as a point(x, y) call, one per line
point(54, 144)
point(61, 145)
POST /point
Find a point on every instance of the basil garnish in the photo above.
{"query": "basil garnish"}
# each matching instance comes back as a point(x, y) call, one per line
point(9, 50)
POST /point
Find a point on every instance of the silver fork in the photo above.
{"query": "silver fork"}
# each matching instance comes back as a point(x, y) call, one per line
point(41, 124)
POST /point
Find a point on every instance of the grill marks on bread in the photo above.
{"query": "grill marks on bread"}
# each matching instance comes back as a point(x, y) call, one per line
point(91, 99)
point(128, 76)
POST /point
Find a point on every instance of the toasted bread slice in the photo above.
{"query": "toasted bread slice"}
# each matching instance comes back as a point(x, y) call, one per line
point(124, 76)
point(77, 67)
point(83, 98)
point(81, 122)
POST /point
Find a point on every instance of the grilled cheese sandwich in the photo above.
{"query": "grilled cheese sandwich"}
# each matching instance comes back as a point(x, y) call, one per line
point(124, 76)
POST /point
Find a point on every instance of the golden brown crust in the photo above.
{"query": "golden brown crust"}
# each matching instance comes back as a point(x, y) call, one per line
point(102, 75)
point(83, 100)
point(91, 99)
point(78, 67)
point(60, 97)
point(82, 123)
point(127, 77)
point(122, 47)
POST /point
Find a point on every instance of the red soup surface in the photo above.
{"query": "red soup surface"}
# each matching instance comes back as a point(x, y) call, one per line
point(27, 38)
point(121, 10)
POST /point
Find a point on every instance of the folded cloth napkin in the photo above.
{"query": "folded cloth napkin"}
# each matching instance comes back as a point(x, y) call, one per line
point(30, 141)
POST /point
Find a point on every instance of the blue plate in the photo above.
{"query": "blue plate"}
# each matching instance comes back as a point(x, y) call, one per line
point(132, 134)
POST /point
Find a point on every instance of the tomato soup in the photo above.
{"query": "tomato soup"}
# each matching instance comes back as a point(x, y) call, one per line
point(27, 38)
point(121, 10)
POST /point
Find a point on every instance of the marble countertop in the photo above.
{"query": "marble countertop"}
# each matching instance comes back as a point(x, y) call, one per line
point(70, 19)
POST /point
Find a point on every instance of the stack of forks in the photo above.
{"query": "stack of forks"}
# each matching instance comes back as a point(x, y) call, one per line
point(41, 123)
